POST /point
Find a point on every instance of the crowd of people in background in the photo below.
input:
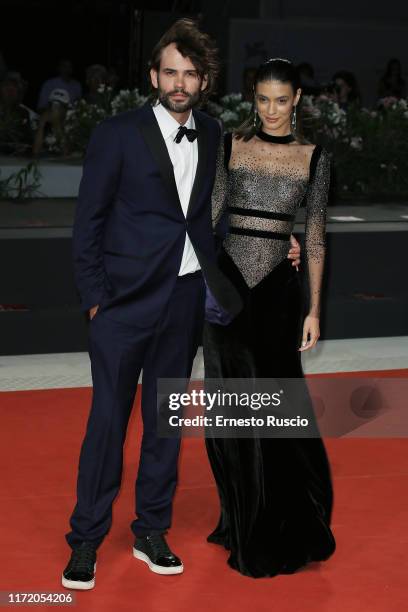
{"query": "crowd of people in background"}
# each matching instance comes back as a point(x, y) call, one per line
point(343, 86)
point(23, 130)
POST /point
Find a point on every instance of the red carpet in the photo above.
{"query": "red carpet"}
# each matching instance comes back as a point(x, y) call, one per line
point(41, 436)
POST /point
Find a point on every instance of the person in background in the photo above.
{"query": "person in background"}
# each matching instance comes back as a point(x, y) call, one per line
point(346, 89)
point(64, 81)
point(51, 121)
point(16, 120)
point(113, 80)
point(308, 83)
point(391, 83)
point(96, 75)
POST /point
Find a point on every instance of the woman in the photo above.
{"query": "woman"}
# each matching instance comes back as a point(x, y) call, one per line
point(276, 495)
point(392, 84)
point(346, 88)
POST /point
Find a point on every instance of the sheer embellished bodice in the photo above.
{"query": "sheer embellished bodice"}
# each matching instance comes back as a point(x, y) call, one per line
point(262, 185)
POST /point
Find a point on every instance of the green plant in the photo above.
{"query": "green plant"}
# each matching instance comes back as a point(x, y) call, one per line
point(369, 148)
point(84, 117)
point(21, 185)
point(232, 110)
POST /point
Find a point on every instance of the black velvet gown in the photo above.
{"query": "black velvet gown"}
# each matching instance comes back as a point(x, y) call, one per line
point(275, 494)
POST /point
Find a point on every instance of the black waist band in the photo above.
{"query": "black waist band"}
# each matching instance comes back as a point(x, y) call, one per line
point(263, 214)
point(258, 233)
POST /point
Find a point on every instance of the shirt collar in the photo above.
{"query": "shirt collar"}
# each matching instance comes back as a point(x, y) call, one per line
point(168, 125)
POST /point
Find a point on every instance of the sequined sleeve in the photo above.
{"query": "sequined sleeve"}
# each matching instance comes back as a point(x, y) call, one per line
point(219, 194)
point(315, 228)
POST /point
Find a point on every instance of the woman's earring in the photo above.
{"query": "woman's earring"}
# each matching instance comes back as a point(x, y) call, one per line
point(293, 122)
point(255, 116)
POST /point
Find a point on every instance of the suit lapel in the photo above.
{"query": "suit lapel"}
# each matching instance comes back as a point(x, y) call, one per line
point(202, 144)
point(154, 139)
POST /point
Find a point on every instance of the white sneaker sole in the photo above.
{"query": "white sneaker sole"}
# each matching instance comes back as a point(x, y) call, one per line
point(157, 569)
point(78, 584)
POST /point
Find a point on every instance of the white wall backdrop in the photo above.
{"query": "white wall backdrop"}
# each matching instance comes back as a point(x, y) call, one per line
point(391, 10)
point(363, 48)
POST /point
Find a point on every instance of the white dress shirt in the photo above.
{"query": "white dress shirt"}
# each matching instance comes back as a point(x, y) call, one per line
point(184, 157)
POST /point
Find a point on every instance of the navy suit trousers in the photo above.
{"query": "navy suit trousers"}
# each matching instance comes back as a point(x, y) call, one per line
point(118, 353)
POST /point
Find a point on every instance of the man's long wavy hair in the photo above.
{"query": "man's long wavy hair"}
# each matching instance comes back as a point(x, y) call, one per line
point(194, 44)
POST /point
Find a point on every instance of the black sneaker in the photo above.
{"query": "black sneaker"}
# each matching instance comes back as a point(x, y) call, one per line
point(80, 571)
point(154, 551)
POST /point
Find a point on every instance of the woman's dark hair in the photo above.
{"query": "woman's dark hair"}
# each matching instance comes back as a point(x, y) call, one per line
point(394, 61)
point(191, 43)
point(389, 87)
point(277, 69)
point(349, 78)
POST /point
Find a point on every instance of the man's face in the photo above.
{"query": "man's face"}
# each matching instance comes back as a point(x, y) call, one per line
point(177, 81)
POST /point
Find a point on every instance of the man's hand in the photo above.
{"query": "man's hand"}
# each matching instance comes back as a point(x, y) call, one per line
point(294, 252)
point(93, 311)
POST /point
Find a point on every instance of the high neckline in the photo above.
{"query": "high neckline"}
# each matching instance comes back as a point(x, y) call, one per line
point(277, 139)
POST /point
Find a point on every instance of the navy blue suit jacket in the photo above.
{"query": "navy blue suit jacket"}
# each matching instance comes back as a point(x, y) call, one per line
point(129, 228)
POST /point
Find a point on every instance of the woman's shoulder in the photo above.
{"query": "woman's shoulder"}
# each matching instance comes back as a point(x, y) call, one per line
point(318, 156)
point(314, 152)
point(308, 146)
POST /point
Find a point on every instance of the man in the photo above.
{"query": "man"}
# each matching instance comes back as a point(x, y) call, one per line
point(143, 243)
point(52, 122)
point(96, 75)
point(64, 81)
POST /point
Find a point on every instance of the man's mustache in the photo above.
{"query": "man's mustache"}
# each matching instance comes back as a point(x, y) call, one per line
point(178, 91)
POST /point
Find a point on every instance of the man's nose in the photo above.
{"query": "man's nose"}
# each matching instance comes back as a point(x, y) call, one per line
point(179, 81)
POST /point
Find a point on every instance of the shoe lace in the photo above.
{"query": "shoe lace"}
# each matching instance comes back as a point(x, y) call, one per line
point(159, 546)
point(83, 558)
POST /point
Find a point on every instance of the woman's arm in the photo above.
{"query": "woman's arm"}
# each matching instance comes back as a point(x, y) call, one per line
point(315, 242)
point(219, 194)
point(315, 229)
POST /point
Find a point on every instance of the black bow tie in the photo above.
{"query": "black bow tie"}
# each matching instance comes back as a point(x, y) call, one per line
point(183, 131)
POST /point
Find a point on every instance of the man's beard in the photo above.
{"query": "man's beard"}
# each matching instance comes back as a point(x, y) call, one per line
point(178, 107)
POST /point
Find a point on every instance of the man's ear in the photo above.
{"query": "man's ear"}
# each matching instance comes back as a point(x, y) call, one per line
point(204, 82)
point(153, 77)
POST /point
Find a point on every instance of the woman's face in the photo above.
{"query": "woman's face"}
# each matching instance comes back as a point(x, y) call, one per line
point(343, 89)
point(274, 101)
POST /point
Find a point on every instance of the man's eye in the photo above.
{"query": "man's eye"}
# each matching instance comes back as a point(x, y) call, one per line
point(283, 100)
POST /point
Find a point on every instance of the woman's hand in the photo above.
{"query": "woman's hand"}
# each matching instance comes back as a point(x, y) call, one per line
point(311, 333)
point(93, 311)
point(294, 252)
